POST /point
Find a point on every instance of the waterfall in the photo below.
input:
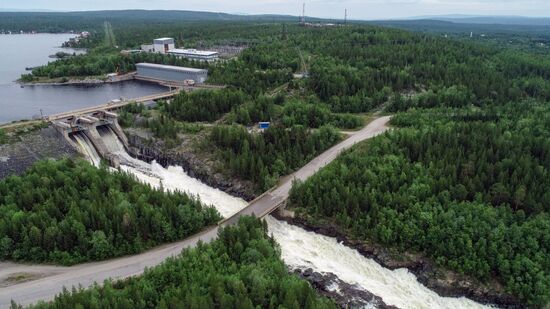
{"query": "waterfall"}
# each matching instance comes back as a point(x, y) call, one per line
point(87, 148)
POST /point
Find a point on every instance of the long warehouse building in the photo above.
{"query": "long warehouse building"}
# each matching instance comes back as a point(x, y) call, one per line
point(171, 73)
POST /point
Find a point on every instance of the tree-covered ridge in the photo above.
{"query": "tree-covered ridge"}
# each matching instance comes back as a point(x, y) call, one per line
point(70, 212)
point(467, 189)
point(242, 269)
point(264, 157)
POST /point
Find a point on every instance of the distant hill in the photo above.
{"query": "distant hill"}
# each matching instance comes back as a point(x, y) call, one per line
point(442, 26)
point(150, 15)
point(25, 10)
point(477, 19)
point(87, 20)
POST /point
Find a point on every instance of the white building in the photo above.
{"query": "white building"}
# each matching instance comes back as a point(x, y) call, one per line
point(163, 45)
point(200, 55)
point(167, 46)
point(148, 48)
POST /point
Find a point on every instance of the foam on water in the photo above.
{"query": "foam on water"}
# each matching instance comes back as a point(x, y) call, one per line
point(175, 179)
point(302, 249)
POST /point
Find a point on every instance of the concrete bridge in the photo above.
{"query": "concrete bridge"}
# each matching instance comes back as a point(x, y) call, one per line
point(113, 105)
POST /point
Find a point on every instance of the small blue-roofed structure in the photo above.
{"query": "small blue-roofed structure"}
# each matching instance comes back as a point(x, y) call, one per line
point(264, 125)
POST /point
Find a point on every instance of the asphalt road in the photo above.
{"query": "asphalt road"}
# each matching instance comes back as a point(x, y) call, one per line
point(86, 274)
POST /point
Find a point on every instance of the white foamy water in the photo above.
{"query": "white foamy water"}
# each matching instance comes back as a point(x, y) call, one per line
point(172, 179)
point(302, 249)
point(87, 148)
point(175, 179)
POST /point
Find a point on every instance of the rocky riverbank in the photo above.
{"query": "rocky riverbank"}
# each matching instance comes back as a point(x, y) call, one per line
point(444, 282)
point(344, 294)
point(17, 157)
point(147, 149)
point(88, 81)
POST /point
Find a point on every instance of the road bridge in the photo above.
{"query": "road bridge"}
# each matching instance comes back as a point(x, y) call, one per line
point(113, 105)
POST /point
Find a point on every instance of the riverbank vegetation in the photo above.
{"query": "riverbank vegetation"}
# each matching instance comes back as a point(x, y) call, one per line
point(69, 212)
point(241, 269)
point(466, 187)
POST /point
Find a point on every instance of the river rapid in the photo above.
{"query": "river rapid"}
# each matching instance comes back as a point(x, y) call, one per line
point(300, 249)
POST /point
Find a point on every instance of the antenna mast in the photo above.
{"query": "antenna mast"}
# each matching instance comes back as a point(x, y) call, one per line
point(346, 17)
point(303, 19)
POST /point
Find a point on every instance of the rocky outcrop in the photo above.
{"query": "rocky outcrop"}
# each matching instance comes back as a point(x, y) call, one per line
point(147, 149)
point(444, 282)
point(342, 293)
point(17, 157)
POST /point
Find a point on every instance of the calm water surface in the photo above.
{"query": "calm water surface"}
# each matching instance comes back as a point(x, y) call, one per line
point(28, 50)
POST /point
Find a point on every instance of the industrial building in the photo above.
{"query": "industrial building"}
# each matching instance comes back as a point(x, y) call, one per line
point(170, 73)
point(167, 46)
point(163, 45)
point(193, 54)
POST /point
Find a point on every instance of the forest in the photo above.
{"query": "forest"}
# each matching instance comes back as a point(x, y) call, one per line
point(298, 131)
point(468, 187)
point(69, 212)
point(204, 105)
point(241, 269)
point(278, 151)
point(377, 64)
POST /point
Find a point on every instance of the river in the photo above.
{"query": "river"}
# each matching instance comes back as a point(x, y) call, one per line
point(300, 249)
point(29, 50)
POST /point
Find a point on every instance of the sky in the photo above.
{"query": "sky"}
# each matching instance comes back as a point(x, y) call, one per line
point(357, 9)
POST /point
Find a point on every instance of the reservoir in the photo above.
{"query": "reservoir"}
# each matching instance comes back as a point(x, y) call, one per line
point(29, 50)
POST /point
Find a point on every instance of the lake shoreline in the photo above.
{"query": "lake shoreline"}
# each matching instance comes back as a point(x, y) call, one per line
point(87, 81)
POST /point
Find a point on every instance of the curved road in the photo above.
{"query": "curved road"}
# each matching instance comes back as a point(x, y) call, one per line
point(86, 274)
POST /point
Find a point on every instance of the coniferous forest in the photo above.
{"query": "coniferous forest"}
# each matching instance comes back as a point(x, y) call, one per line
point(242, 269)
point(70, 212)
point(467, 187)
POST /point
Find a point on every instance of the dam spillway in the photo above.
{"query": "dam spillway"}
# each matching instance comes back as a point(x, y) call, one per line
point(83, 133)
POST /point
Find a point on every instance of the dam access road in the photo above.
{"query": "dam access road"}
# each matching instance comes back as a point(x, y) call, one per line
point(52, 279)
